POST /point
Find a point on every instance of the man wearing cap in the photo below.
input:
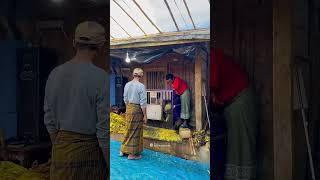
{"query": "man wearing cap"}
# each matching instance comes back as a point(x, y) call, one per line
point(76, 110)
point(135, 98)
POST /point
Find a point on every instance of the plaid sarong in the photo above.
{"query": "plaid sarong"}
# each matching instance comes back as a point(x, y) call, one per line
point(133, 138)
point(77, 157)
point(241, 118)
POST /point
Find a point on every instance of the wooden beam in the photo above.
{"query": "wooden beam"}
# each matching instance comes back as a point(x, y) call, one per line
point(135, 22)
point(145, 14)
point(199, 35)
point(198, 91)
point(171, 14)
point(186, 5)
point(152, 44)
point(282, 89)
point(120, 26)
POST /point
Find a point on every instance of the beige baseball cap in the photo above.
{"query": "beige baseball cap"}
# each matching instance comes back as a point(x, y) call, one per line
point(90, 32)
point(137, 72)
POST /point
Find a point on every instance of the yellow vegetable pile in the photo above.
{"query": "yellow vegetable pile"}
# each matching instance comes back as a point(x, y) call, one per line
point(169, 135)
point(200, 138)
point(12, 171)
point(161, 134)
point(42, 169)
point(117, 123)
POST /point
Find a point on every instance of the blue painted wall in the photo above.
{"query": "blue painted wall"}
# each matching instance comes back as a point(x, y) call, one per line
point(8, 112)
point(112, 89)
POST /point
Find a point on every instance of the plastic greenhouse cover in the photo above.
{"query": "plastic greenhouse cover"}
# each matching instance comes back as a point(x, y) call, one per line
point(149, 54)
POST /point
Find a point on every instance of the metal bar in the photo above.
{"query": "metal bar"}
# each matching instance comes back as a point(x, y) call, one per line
point(120, 26)
point(129, 16)
point(304, 121)
point(146, 16)
point(126, 3)
point(174, 20)
point(185, 3)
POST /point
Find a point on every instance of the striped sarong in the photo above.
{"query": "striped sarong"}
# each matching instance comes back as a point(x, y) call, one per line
point(185, 104)
point(77, 157)
point(133, 138)
point(241, 117)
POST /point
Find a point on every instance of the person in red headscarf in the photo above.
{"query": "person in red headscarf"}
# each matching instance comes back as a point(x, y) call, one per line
point(181, 89)
point(230, 89)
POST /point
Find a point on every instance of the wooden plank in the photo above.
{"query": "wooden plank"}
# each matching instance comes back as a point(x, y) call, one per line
point(315, 85)
point(156, 43)
point(282, 91)
point(201, 35)
point(179, 149)
point(198, 91)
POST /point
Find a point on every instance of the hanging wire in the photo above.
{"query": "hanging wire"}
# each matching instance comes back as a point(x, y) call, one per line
point(64, 33)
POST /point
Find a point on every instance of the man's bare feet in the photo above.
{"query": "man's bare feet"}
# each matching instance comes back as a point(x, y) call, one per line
point(134, 157)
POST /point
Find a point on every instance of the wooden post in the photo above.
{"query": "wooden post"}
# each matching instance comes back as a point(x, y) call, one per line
point(198, 91)
point(282, 89)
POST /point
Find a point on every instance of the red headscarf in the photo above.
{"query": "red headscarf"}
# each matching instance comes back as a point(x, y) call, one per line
point(227, 79)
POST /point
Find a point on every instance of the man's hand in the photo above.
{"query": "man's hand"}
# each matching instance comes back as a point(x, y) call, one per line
point(145, 119)
point(53, 137)
point(106, 155)
point(216, 101)
point(144, 111)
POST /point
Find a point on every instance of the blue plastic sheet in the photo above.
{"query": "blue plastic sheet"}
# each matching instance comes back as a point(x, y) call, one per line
point(155, 165)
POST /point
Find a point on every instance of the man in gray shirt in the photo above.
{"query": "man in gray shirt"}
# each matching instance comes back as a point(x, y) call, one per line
point(76, 110)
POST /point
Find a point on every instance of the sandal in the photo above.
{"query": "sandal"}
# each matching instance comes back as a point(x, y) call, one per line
point(177, 124)
point(185, 125)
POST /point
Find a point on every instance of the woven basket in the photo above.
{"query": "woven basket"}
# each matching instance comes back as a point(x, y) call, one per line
point(184, 133)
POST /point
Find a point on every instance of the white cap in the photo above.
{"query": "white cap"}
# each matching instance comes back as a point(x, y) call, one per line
point(137, 72)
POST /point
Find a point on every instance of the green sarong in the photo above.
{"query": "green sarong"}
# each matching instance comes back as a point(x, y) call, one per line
point(185, 105)
point(241, 117)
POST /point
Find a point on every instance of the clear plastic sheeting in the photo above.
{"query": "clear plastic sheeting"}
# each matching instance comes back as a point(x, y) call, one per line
point(149, 54)
point(130, 19)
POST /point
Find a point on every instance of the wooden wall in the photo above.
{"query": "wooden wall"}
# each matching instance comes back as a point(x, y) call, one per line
point(314, 113)
point(62, 41)
point(306, 36)
point(243, 29)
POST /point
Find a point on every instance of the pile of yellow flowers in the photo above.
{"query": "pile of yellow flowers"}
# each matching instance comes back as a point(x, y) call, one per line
point(161, 134)
point(169, 135)
point(117, 123)
point(200, 138)
point(12, 171)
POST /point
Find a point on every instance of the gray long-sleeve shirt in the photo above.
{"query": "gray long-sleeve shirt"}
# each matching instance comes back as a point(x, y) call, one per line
point(135, 92)
point(77, 100)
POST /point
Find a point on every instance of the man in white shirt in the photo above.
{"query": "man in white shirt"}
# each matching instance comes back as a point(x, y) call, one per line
point(76, 110)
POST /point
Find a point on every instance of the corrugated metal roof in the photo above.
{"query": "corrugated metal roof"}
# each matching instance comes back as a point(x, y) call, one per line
point(138, 19)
